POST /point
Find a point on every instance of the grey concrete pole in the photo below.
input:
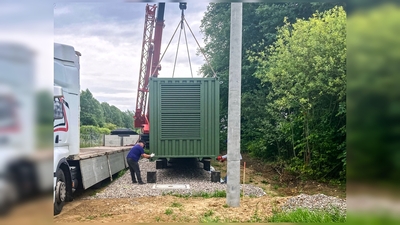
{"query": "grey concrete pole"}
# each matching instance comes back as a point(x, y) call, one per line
point(235, 68)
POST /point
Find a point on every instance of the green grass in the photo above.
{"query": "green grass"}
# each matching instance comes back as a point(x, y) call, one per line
point(372, 218)
point(121, 173)
point(255, 218)
point(264, 182)
point(94, 193)
point(307, 216)
point(207, 217)
point(209, 213)
point(176, 204)
point(184, 219)
point(168, 211)
point(90, 217)
point(219, 194)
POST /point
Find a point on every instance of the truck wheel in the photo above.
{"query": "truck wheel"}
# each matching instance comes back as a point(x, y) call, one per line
point(60, 192)
point(8, 196)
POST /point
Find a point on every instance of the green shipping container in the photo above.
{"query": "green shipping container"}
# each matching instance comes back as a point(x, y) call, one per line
point(184, 117)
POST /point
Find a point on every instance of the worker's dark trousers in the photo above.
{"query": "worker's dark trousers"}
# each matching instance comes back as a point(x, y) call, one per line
point(134, 168)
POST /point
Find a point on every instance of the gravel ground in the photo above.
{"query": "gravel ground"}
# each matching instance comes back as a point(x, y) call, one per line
point(316, 202)
point(199, 180)
point(189, 173)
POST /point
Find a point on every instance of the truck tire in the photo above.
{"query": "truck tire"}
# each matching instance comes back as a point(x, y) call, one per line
point(61, 192)
point(8, 196)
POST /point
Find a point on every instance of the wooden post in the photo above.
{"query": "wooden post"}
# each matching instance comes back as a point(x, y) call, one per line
point(244, 176)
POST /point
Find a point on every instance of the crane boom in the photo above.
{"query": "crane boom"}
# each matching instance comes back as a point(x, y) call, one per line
point(157, 40)
point(140, 119)
point(149, 63)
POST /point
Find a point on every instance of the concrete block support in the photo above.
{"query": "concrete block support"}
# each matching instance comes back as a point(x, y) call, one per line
point(151, 176)
point(215, 176)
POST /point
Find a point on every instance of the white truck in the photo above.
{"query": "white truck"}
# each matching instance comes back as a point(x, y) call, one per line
point(24, 167)
point(76, 167)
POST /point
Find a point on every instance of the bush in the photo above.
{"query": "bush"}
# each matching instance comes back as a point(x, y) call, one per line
point(92, 136)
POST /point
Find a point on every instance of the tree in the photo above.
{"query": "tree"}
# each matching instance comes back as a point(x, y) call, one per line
point(260, 21)
point(306, 70)
point(91, 110)
point(116, 116)
point(127, 119)
point(110, 126)
point(106, 111)
point(373, 96)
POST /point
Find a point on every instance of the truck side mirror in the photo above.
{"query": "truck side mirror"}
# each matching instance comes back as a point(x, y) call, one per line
point(58, 92)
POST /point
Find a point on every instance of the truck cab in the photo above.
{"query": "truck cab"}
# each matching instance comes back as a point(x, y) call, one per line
point(66, 122)
point(75, 167)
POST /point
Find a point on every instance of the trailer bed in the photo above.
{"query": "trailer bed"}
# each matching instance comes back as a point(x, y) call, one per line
point(99, 163)
point(91, 152)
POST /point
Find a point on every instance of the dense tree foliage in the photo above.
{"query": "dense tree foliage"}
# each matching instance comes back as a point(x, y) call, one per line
point(103, 115)
point(308, 122)
point(306, 71)
point(373, 95)
point(91, 111)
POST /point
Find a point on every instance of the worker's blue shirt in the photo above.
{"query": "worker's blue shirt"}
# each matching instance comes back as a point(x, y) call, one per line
point(135, 152)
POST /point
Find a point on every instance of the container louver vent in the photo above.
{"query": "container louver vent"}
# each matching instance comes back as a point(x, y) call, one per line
point(180, 101)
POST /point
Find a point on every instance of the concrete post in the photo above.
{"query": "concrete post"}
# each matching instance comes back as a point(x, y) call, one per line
point(235, 67)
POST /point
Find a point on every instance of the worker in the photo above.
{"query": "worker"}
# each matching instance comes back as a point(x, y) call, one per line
point(223, 158)
point(133, 157)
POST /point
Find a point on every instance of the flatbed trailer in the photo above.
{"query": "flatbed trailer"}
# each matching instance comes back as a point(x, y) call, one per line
point(91, 152)
point(96, 164)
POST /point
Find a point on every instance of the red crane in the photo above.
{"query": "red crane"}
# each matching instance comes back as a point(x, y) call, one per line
point(150, 61)
point(149, 64)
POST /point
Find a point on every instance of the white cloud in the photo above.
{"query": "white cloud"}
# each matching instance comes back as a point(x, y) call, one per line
point(58, 11)
point(111, 49)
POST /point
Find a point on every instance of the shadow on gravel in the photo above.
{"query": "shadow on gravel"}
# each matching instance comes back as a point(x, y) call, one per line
point(185, 168)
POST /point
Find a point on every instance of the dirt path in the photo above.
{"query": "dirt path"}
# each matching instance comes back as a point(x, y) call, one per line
point(168, 209)
point(280, 183)
point(277, 185)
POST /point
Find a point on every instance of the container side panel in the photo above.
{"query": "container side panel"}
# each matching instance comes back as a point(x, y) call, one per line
point(184, 117)
point(180, 111)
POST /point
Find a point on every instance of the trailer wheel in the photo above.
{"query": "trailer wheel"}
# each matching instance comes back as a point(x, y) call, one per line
point(60, 192)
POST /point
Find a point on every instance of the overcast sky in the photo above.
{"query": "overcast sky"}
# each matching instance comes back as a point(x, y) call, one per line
point(109, 37)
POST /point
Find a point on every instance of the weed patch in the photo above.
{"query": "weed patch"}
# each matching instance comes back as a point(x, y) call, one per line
point(168, 211)
point(176, 204)
point(307, 216)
